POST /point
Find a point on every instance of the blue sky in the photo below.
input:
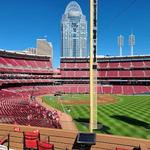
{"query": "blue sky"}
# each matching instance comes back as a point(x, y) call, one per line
point(23, 21)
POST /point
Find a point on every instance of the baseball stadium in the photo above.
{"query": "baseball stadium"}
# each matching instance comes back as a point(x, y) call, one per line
point(45, 108)
point(33, 94)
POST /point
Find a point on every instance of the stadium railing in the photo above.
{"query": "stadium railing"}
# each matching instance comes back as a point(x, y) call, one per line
point(63, 139)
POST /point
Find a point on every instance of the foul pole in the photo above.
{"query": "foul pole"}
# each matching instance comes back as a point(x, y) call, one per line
point(93, 64)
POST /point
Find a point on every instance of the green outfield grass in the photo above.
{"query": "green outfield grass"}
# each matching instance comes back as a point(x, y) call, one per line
point(130, 116)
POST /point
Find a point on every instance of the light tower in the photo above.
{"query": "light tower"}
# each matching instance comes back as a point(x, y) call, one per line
point(132, 42)
point(120, 43)
point(93, 64)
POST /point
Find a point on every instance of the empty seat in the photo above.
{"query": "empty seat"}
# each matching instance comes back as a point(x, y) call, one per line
point(107, 89)
point(147, 64)
point(137, 73)
point(124, 73)
point(103, 65)
point(41, 145)
point(117, 89)
point(125, 64)
point(113, 73)
point(137, 64)
point(147, 73)
point(30, 140)
point(114, 64)
point(128, 90)
point(102, 74)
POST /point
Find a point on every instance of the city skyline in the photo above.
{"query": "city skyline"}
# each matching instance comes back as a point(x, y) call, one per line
point(22, 22)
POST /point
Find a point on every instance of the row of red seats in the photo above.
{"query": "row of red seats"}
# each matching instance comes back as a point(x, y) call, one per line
point(26, 92)
point(136, 64)
point(116, 89)
point(74, 65)
point(103, 65)
point(6, 81)
point(102, 74)
point(24, 76)
point(84, 88)
point(31, 140)
point(25, 63)
point(127, 90)
point(14, 109)
point(133, 73)
point(23, 70)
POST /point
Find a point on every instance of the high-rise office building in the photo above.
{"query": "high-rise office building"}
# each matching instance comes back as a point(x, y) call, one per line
point(44, 48)
point(73, 32)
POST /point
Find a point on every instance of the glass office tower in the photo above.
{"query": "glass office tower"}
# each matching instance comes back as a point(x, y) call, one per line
point(73, 32)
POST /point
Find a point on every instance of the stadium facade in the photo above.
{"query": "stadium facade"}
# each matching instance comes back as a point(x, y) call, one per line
point(116, 75)
point(73, 32)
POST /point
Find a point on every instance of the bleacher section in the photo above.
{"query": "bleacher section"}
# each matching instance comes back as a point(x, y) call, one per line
point(21, 68)
point(115, 75)
point(17, 101)
point(28, 91)
point(20, 108)
point(20, 63)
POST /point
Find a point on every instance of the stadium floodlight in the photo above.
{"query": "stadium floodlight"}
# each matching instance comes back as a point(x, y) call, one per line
point(132, 42)
point(120, 43)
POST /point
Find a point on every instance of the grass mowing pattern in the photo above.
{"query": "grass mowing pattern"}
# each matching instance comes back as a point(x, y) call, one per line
point(52, 101)
point(130, 116)
point(75, 97)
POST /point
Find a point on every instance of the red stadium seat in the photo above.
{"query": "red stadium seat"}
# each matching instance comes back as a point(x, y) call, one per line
point(137, 73)
point(128, 90)
point(125, 65)
point(103, 65)
point(147, 73)
point(139, 64)
point(111, 73)
point(44, 146)
point(30, 140)
point(107, 89)
point(117, 89)
point(114, 65)
point(124, 73)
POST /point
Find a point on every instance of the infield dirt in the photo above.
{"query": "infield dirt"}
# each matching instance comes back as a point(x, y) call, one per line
point(101, 99)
